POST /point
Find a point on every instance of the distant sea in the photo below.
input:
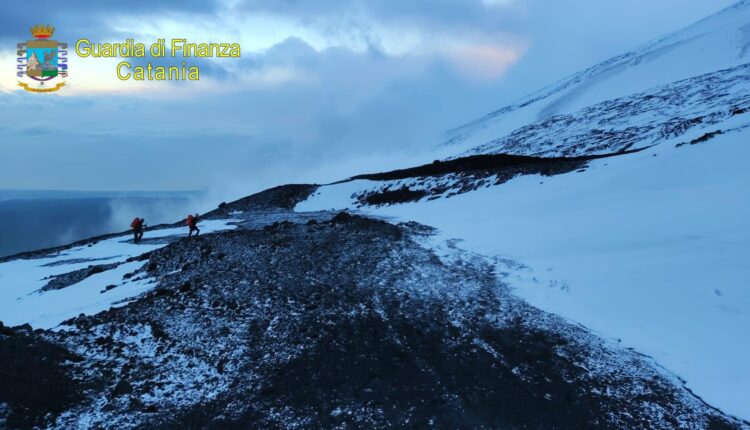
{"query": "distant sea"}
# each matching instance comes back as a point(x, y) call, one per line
point(37, 219)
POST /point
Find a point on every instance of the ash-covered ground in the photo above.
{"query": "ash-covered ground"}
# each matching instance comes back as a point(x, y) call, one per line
point(334, 321)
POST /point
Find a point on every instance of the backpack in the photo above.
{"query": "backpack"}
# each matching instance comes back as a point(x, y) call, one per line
point(190, 220)
point(136, 223)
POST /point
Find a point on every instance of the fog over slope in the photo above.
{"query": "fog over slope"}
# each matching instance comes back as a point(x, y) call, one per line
point(42, 219)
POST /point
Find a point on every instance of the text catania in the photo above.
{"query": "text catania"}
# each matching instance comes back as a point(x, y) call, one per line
point(148, 71)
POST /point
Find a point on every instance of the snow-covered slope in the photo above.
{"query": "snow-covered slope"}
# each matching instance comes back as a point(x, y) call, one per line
point(719, 42)
point(330, 321)
point(650, 248)
point(47, 290)
point(570, 293)
point(698, 104)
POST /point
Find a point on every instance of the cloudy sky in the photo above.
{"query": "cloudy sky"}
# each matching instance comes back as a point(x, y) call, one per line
point(324, 88)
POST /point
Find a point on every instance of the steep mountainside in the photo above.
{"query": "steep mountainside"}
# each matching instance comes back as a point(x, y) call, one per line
point(719, 42)
point(325, 321)
point(696, 105)
point(580, 262)
point(648, 246)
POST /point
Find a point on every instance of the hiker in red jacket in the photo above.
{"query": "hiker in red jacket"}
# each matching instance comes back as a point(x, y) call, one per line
point(137, 226)
point(192, 223)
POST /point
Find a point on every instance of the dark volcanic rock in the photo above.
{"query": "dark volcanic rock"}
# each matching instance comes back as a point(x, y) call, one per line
point(483, 162)
point(68, 279)
point(35, 383)
point(342, 217)
point(388, 196)
point(342, 325)
point(461, 175)
point(328, 320)
point(6, 331)
point(122, 388)
point(281, 197)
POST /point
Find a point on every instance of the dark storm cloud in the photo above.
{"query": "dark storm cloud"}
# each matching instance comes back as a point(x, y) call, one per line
point(76, 18)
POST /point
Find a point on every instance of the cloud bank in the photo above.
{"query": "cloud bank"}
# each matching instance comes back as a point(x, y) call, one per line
point(324, 89)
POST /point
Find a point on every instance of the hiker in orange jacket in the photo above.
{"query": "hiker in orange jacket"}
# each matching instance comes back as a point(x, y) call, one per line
point(192, 223)
point(137, 226)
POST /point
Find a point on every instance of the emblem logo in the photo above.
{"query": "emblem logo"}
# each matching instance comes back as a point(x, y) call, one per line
point(42, 63)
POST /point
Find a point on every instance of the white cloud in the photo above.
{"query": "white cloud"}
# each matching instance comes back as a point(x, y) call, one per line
point(317, 82)
point(486, 61)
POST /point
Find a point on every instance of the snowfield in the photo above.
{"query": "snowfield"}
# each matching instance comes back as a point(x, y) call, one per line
point(21, 281)
point(718, 42)
point(650, 248)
